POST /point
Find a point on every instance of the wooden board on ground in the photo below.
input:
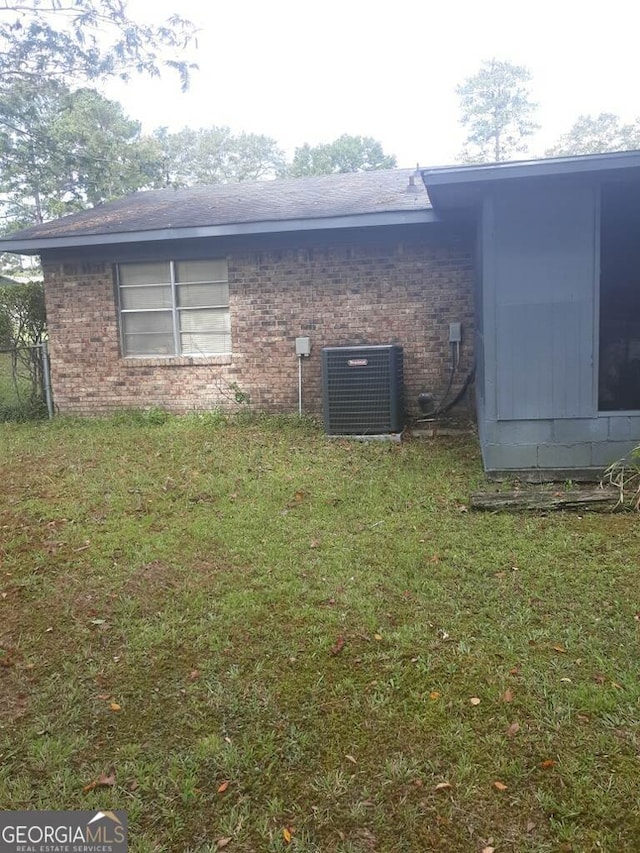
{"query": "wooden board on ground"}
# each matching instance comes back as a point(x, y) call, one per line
point(600, 499)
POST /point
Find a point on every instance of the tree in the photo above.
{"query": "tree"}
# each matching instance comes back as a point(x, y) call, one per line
point(345, 154)
point(29, 157)
point(45, 47)
point(79, 40)
point(63, 150)
point(596, 135)
point(496, 109)
point(212, 155)
point(104, 153)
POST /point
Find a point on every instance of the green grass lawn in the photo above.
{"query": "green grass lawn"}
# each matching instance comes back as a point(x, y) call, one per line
point(263, 635)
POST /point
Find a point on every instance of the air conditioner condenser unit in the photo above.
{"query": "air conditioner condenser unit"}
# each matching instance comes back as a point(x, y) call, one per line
point(363, 390)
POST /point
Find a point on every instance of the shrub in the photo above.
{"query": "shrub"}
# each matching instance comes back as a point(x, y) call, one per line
point(624, 475)
point(23, 327)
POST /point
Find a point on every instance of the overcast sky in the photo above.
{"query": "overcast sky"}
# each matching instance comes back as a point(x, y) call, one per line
point(309, 71)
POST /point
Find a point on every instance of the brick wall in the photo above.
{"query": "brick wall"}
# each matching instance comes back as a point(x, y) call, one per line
point(403, 291)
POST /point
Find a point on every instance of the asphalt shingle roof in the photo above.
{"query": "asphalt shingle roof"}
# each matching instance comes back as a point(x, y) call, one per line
point(325, 196)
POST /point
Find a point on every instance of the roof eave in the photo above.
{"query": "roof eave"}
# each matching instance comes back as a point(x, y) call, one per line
point(518, 169)
point(34, 246)
point(459, 188)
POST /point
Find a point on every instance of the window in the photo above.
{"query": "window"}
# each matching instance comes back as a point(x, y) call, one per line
point(619, 379)
point(170, 308)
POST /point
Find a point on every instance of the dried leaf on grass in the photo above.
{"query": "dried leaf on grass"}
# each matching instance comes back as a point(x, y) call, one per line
point(339, 646)
point(513, 729)
point(298, 497)
point(548, 763)
point(113, 706)
point(103, 781)
point(222, 842)
point(507, 696)
point(286, 834)
point(222, 787)
point(499, 786)
point(474, 700)
point(442, 786)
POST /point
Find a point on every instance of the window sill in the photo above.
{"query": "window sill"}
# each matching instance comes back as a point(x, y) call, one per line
point(178, 361)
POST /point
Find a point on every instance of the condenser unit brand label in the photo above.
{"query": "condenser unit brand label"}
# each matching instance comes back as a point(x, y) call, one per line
point(358, 362)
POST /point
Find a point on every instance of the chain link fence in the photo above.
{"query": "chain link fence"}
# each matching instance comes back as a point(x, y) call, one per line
point(25, 384)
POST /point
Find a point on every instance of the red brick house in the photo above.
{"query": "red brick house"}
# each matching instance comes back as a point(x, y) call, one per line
point(172, 297)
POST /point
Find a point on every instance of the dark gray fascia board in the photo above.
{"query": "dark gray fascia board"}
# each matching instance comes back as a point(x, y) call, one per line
point(554, 166)
point(34, 246)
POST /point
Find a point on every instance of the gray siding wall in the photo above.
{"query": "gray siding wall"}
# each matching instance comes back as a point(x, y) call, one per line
point(537, 400)
point(544, 277)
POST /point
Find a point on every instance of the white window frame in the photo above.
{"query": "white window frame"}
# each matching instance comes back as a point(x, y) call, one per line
point(175, 309)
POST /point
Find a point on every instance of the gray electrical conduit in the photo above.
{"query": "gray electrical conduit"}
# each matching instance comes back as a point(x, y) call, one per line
point(441, 409)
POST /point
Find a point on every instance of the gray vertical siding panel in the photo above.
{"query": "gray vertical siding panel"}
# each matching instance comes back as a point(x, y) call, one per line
point(478, 346)
point(525, 361)
point(541, 361)
point(541, 256)
point(487, 296)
